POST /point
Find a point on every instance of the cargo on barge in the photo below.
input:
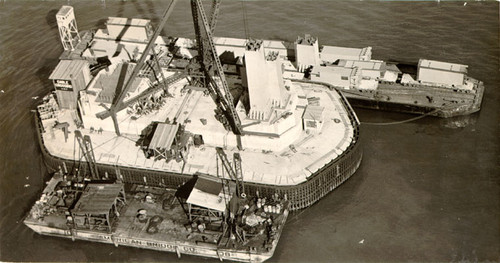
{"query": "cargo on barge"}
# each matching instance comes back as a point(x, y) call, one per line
point(178, 153)
point(429, 87)
point(203, 217)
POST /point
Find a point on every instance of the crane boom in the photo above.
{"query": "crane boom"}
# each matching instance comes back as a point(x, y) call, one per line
point(88, 152)
point(117, 103)
point(211, 67)
point(214, 14)
point(235, 173)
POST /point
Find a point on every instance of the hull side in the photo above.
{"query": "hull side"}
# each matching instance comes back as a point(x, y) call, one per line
point(434, 101)
point(302, 195)
point(178, 247)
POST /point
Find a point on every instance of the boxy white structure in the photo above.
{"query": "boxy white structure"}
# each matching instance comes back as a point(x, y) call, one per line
point(69, 78)
point(330, 54)
point(370, 69)
point(441, 72)
point(306, 52)
point(341, 77)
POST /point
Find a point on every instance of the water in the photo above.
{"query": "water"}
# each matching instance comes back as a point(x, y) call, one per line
point(428, 190)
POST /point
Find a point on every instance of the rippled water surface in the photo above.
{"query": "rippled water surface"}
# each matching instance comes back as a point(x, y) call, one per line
point(426, 190)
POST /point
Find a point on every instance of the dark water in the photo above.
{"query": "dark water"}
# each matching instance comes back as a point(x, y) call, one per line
point(425, 191)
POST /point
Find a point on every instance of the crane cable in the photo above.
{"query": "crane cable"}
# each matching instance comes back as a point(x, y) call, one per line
point(245, 23)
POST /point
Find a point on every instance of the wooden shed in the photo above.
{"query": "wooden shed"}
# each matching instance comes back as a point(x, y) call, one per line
point(98, 207)
point(69, 78)
point(204, 196)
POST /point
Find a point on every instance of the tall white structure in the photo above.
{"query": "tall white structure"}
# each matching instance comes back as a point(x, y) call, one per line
point(264, 79)
point(306, 52)
point(68, 30)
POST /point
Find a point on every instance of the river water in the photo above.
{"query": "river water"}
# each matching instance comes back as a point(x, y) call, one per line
point(427, 190)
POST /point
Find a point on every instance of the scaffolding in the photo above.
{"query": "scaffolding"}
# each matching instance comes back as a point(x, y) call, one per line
point(68, 30)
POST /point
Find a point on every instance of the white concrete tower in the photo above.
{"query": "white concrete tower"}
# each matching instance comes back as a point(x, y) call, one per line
point(306, 52)
point(68, 30)
point(264, 79)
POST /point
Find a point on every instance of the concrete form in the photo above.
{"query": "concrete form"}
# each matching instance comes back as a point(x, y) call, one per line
point(264, 80)
point(306, 52)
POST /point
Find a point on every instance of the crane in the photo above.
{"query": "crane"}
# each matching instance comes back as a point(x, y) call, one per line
point(118, 103)
point(88, 152)
point(212, 73)
point(235, 174)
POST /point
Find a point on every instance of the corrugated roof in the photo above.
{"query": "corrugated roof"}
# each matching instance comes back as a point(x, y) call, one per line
point(68, 69)
point(97, 198)
point(164, 136)
point(313, 113)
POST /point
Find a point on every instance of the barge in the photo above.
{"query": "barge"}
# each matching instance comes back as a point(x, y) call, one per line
point(199, 218)
point(134, 110)
point(428, 87)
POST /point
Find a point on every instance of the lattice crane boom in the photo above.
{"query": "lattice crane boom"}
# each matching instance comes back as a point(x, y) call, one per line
point(210, 64)
point(214, 14)
point(118, 102)
point(235, 173)
point(88, 152)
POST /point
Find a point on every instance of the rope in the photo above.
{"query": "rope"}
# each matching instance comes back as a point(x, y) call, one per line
point(408, 120)
point(400, 122)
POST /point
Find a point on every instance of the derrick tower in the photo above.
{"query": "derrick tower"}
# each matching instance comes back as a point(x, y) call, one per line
point(212, 73)
point(68, 31)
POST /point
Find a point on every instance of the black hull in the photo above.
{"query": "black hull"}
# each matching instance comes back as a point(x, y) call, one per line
point(418, 99)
